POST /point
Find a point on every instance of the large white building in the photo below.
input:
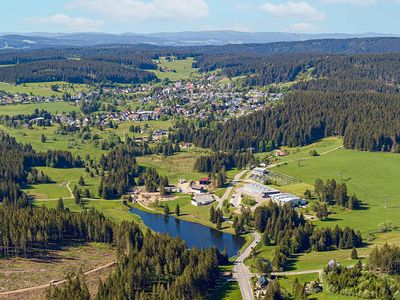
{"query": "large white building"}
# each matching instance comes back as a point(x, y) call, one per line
point(286, 198)
point(260, 189)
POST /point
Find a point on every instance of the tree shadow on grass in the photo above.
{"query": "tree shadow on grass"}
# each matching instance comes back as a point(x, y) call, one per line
point(331, 219)
point(291, 263)
point(224, 290)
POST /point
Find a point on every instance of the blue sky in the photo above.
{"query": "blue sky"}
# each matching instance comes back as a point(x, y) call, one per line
point(144, 16)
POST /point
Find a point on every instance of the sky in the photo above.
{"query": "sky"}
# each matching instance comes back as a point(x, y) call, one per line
point(147, 16)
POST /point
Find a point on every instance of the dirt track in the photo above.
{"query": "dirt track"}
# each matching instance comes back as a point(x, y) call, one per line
point(26, 293)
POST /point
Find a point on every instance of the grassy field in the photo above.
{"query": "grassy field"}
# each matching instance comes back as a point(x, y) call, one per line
point(175, 167)
point(17, 273)
point(61, 178)
point(44, 88)
point(371, 176)
point(54, 141)
point(51, 107)
point(71, 143)
point(112, 209)
point(228, 291)
point(183, 68)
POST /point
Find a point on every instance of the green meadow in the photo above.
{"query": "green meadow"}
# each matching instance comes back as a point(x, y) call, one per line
point(54, 141)
point(51, 107)
point(176, 70)
point(175, 167)
point(115, 210)
point(372, 176)
point(60, 178)
point(43, 88)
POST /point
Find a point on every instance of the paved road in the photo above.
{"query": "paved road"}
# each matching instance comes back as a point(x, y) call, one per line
point(235, 180)
point(242, 273)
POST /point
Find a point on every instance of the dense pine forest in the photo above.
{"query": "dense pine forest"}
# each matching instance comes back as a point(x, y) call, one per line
point(74, 71)
point(29, 231)
point(367, 121)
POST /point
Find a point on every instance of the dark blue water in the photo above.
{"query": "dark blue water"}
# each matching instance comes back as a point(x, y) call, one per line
point(195, 235)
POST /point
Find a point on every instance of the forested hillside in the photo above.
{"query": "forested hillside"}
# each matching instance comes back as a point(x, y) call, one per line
point(367, 121)
point(73, 71)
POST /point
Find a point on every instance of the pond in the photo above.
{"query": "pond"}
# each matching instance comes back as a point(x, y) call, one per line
point(194, 234)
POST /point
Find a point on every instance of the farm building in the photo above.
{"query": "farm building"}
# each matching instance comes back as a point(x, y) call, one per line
point(260, 189)
point(204, 181)
point(280, 153)
point(197, 189)
point(202, 199)
point(260, 171)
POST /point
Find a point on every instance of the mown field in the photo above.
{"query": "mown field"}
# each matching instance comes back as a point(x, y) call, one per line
point(51, 107)
point(44, 88)
point(183, 69)
point(61, 178)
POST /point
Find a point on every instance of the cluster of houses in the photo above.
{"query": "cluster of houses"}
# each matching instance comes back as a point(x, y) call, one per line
point(6, 98)
point(208, 94)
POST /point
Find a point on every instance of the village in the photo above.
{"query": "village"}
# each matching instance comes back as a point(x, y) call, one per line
point(204, 97)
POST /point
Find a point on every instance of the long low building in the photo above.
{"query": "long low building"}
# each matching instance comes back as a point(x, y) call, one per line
point(286, 198)
point(260, 189)
point(202, 199)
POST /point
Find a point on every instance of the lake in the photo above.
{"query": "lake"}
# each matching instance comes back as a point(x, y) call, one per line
point(194, 234)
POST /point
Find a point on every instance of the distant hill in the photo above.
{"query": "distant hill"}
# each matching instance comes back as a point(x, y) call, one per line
point(189, 38)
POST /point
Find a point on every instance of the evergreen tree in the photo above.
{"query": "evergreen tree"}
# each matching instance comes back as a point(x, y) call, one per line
point(354, 254)
point(60, 204)
point(77, 197)
point(177, 210)
point(81, 181)
point(166, 209)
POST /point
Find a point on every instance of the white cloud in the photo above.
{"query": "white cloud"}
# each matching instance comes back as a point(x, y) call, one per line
point(361, 2)
point(66, 22)
point(303, 27)
point(301, 10)
point(353, 2)
point(136, 10)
